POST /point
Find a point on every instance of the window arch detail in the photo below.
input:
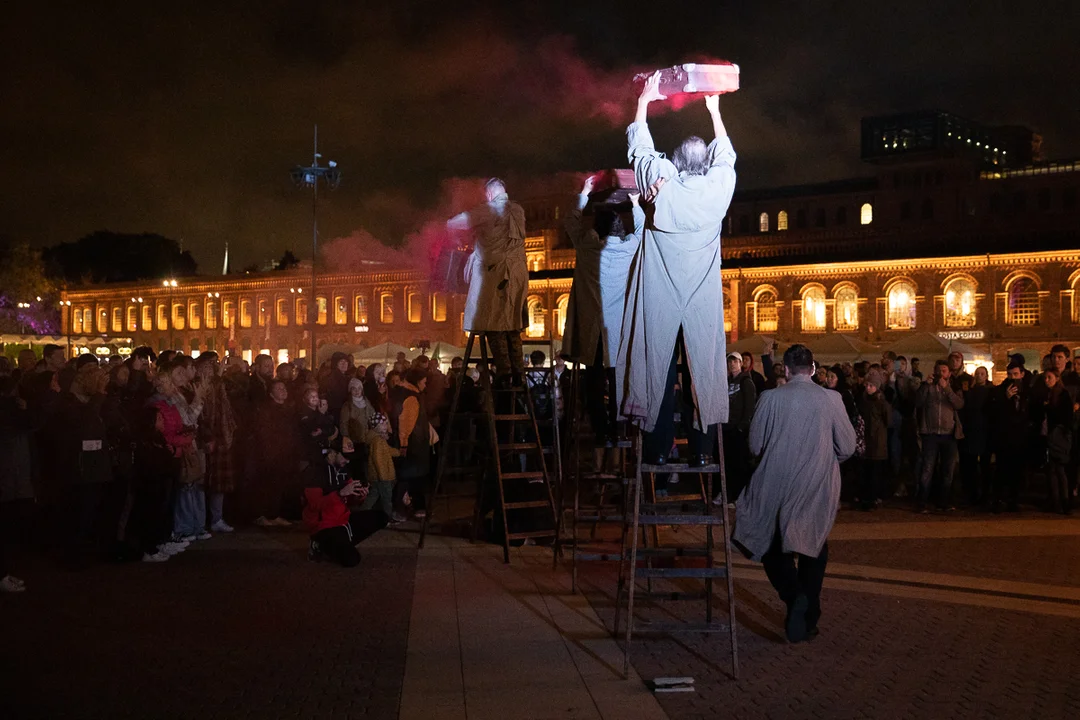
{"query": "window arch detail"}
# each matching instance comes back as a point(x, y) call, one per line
point(1022, 300)
point(866, 214)
point(900, 298)
point(959, 305)
point(813, 308)
point(846, 307)
point(763, 222)
point(766, 313)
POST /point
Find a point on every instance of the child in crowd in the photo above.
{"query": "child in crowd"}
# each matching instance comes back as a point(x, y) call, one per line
point(380, 467)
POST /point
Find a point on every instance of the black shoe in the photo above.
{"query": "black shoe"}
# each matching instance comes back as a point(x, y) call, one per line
point(795, 624)
point(698, 461)
point(812, 632)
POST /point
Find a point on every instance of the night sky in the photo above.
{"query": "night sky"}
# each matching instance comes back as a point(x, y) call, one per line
point(184, 118)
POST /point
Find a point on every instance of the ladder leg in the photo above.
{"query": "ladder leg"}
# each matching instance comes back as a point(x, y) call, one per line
point(493, 438)
point(441, 468)
point(727, 553)
point(633, 571)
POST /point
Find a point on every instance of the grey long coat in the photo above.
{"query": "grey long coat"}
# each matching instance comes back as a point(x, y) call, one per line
point(676, 283)
point(594, 313)
point(497, 260)
point(805, 433)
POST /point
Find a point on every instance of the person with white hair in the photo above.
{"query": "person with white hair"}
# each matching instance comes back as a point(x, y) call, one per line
point(674, 296)
point(498, 277)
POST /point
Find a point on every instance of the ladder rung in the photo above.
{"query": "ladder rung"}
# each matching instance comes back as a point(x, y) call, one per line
point(597, 556)
point(689, 505)
point(522, 475)
point(516, 416)
point(673, 552)
point(526, 504)
point(532, 534)
point(601, 476)
point(673, 595)
point(674, 627)
point(517, 446)
point(679, 469)
point(600, 518)
point(681, 520)
point(680, 572)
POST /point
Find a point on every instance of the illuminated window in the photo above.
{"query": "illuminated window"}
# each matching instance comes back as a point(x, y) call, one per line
point(147, 317)
point(162, 317)
point(536, 318)
point(766, 314)
point(561, 306)
point(386, 307)
point(846, 308)
point(1022, 308)
point(282, 355)
point(301, 311)
point(178, 316)
point(361, 310)
point(901, 306)
point(763, 222)
point(866, 214)
point(781, 220)
point(341, 310)
point(245, 313)
point(102, 320)
point(264, 312)
point(438, 307)
point(281, 313)
point(320, 310)
point(132, 318)
point(415, 307)
point(117, 320)
point(813, 309)
point(76, 322)
point(211, 314)
point(726, 292)
point(195, 315)
point(536, 261)
point(960, 303)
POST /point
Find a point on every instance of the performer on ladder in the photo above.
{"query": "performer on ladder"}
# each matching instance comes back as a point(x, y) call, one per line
point(594, 314)
point(498, 278)
point(675, 295)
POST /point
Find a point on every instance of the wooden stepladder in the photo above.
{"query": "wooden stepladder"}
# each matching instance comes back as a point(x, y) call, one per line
point(683, 562)
point(509, 415)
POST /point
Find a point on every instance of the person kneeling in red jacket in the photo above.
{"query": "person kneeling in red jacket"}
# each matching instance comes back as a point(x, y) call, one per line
point(335, 529)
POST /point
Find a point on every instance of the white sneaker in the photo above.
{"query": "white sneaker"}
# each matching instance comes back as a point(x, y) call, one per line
point(262, 521)
point(12, 584)
point(172, 548)
point(204, 535)
point(222, 527)
point(280, 522)
point(159, 556)
point(188, 538)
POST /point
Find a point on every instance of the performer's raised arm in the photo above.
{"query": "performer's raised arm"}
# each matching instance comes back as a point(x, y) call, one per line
point(650, 167)
point(639, 215)
point(721, 172)
point(461, 221)
point(574, 224)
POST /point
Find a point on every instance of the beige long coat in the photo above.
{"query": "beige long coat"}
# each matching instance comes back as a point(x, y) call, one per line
point(594, 313)
point(496, 271)
point(676, 283)
point(803, 433)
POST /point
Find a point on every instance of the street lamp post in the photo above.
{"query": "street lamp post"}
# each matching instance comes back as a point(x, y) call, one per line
point(310, 177)
point(67, 304)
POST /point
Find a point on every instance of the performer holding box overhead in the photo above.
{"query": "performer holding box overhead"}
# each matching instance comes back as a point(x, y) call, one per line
point(498, 277)
point(675, 295)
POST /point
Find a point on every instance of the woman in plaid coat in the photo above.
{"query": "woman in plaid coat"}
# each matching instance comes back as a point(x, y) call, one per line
point(217, 427)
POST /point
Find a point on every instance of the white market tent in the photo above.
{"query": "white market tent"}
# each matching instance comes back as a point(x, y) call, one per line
point(929, 347)
point(384, 353)
point(833, 348)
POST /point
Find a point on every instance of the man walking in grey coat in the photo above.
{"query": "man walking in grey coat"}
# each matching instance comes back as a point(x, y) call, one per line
point(802, 433)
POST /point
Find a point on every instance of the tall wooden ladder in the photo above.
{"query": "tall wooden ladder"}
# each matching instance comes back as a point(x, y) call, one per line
point(681, 562)
point(527, 490)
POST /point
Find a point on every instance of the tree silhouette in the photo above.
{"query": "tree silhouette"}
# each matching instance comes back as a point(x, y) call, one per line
point(105, 256)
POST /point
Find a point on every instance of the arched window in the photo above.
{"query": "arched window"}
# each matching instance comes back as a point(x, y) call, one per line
point(178, 316)
point(846, 308)
point(536, 317)
point(763, 222)
point(560, 313)
point(766, 315)
point(415, 307)
point(76, 322)
point(162, 317)
point(386, 307)
point(438, 307)
point(320, 310)
point(341, 310)
point(245, 313)
point(147, 317)
point(281, 312)
point(813, 309)
point(361, 310)
point(301, 311)
point(117, 320)
point(781, 220)
point(1022, 308)
point(132, 318)
point(960, 303)
point(901, 306)
point(211, 314)
point(195, 315)
point(726, 292)
point(866, 214)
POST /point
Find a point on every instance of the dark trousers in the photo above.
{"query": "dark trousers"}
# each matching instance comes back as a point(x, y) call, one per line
point(339, 543)
point(1059, 487)
point(658, 442)
point(599, 391)
point(736, 460)
point(871, 481)
point(937, 448)
point(506, 351)
point(1008, 475)
point(151, 516)
point(791, 580)
point(975, 475)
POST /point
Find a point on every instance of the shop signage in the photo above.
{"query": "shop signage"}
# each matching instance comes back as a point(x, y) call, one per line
point(961, 334)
